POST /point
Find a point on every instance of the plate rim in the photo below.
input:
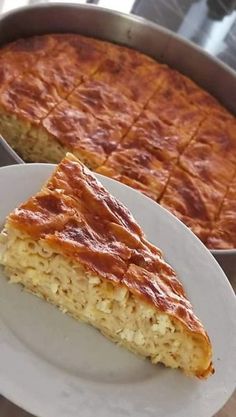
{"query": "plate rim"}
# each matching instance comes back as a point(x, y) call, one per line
point(224, 279)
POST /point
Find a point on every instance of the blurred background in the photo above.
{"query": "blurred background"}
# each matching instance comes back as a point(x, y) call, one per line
point(209, 23)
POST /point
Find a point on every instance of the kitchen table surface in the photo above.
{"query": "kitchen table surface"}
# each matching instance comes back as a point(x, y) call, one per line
point(209, 23)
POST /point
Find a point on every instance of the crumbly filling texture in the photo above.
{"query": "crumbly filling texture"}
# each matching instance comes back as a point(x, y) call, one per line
point(120, 315)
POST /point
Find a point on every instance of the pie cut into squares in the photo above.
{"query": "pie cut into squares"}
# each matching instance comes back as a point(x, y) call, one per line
point(220, 136)
point(79, 248)
point(153, 135)
point(89, 138)
point(73, 58)
point(134, 74)
point(35, 75)
point(174, 109)
point(105, 103)
point(23, 103)
point(19, 98)
point(24, 99)
point(139, 169)
point(193, 201)
point(210, 167)
point(223, 233)
point(20, 56)
point(177, 85)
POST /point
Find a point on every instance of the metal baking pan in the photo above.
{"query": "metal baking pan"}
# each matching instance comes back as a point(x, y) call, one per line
point(135, 32)
point(7, 155)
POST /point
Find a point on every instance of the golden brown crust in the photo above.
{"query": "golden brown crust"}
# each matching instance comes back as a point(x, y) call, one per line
point(59, 72)
point(223, 235)
point(37, 72)
point(158, 290)
point(75, 215)
point(31, 47)
point(139, 169)
point(192, 197)
point(73, 59)
point(75, 211)
point(108, 104)
point(81, 132)
point(107, 171)
point(193, 201)
point(20, 56)
point(176, 85)
point(220, 136)
point(29, 98)
point(175, 109)
point(210, 167)
point(132, 73)
point(86, 49)
point(105, 103)
point(153, 135)
point(224, 231)
point(9, 69)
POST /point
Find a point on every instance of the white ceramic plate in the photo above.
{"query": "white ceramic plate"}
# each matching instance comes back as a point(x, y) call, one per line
point(53, 366)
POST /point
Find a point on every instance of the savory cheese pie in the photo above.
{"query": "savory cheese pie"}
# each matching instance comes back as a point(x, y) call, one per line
point(126, 116)
point(78, 247)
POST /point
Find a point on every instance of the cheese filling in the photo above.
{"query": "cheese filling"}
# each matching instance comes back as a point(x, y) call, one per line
point(111, 308)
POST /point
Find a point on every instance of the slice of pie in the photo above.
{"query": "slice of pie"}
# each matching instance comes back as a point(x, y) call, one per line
point(79, 248)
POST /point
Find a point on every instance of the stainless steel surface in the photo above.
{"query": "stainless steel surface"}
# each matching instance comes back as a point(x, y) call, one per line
point(141, 35)
point(209, 23)
point(227, 261)
point(7, 155)
point(133, 31)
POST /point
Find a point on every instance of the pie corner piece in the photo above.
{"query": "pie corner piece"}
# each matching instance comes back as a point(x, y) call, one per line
point(76, 246)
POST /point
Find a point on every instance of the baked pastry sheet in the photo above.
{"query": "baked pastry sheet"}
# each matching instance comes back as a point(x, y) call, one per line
point(126, 116)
